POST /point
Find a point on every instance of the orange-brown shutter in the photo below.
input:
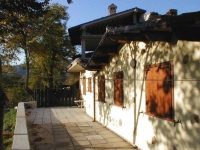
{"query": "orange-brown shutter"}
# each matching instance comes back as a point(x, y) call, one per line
point(101, 88)
point(151, 89)
point(118, 88)
point(159, 90)
point(84, 86)
point(89, 85)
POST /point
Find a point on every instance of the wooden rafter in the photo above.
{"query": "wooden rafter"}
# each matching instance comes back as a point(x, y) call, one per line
point(101, 60)
point(108, 50)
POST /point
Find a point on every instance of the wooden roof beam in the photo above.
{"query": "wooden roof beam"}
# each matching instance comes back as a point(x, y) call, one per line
point(158, 36)
point(94, 68)
point(101, 60)
point(90, 36)
point(108, 50)
point(142, 36)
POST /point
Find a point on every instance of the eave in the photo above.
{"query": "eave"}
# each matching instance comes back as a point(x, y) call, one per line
point(76, 66)
point(98, 26)
point(165, 29)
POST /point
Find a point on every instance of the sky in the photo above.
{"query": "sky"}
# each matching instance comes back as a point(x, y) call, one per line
point(82, 11)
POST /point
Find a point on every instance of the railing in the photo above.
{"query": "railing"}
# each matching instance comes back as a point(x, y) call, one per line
point(56, 97)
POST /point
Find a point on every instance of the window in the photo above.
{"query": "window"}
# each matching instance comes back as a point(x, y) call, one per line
point(84, 86)
point(159, 90)
point(101, 88)
point(118, 89)
point(90, 84)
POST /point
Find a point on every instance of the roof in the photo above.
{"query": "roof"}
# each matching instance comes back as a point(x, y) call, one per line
point(98, 26)
point(105, 35)
point(163, 28)
point(77, 65)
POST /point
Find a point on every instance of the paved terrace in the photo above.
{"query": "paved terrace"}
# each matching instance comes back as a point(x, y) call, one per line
point(73, 129)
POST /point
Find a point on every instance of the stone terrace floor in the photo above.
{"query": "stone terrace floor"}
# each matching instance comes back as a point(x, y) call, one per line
point(70, 129)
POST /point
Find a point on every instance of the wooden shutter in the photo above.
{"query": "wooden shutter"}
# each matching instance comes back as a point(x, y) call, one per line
point(84, 86)
point(101, 88)
point(89, 84)
point(159, 90)
point(118, 88)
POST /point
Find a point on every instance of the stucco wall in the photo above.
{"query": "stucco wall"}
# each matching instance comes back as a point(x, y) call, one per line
point(89, 96)
point(129, 120)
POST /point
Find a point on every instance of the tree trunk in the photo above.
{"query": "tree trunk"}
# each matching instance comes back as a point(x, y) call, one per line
point(0, 73)
point(1, 124)
point(3, 101)
point(51, 74)
point(28, 90)
point(50, 77)
point(1, 110)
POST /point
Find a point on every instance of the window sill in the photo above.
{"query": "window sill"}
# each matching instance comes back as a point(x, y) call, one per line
point(121, 106)
point(164, 118)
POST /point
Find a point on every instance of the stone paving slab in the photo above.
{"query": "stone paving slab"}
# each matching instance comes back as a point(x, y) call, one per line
point(73, 129)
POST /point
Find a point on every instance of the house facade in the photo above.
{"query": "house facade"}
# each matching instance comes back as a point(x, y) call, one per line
point(143, 81)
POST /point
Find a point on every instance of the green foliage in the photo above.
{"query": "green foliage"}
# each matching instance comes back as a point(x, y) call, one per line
point(12, 14)
point(16, 95)
point(11, 9)
point(7, 142)
point(8, 126)
point(9, 120)
point(45, 43)
point(53, 49)
point(13, 86)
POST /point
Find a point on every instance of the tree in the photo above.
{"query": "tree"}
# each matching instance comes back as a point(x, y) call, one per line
point(53, 47)
point(22, 39)
point(9, 11)
point(13, 83)
point(14, 15)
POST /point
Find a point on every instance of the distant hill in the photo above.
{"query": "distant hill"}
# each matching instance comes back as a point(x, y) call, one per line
point(18, 70)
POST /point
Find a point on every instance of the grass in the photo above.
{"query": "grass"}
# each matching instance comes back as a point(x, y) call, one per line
point(8, 127)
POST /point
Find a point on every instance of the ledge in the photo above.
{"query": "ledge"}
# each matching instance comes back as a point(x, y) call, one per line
point(20, 138)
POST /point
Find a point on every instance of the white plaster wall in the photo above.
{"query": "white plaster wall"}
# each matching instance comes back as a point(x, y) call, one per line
point(89, 97)
point(186, 96)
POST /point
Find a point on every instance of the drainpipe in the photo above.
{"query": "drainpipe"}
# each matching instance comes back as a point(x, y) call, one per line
point(136, 116)
point(94, 84)
point(134, 99)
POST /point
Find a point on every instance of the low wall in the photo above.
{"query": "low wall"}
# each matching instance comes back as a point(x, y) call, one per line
point(20, 138)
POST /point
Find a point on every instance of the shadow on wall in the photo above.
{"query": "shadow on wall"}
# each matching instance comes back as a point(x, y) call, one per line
point(184, 134)
point(104, 113)
point(186, 91)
